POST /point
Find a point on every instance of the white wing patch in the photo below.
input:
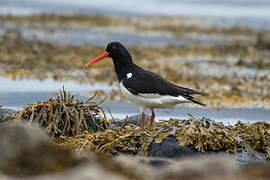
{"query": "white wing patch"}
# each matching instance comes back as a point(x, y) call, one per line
point(129, 75)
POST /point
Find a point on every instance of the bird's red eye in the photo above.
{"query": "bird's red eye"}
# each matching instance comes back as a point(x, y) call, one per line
point(113, 47)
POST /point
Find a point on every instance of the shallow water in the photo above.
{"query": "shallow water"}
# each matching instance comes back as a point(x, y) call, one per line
point(101, 36)
point(225, 115)
point(253, 13)
point(16, 94)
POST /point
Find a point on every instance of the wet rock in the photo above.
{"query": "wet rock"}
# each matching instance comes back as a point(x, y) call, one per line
point(135, 120)
point(13, 138)
point(6, 111)
point(247, 157)
point(170, 148)
point(95, 125)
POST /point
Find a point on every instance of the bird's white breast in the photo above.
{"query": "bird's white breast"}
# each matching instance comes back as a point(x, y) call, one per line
point(152, 100)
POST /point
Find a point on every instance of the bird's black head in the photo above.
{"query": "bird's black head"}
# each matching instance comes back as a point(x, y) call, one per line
point(116, 51)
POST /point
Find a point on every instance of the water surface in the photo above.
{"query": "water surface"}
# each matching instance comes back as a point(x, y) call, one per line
point(16, 94)
point(253, 13)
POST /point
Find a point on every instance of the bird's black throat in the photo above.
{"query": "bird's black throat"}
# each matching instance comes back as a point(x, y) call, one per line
point(123, 65)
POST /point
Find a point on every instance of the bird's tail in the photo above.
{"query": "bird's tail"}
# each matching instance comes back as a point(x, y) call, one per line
point(194, 100)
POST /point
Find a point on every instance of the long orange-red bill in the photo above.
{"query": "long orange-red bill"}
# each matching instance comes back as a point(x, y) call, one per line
point(100, 57)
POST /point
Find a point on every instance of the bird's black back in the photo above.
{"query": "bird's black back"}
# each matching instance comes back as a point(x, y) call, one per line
point(146, 82)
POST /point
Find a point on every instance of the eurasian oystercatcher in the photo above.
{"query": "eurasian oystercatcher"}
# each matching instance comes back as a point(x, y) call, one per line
point(144, 88)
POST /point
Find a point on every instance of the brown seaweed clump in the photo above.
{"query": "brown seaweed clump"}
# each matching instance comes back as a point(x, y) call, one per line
point(203, 135)
point(206, 135)
point(64, 116)
point(129, 140)
point(257, 135)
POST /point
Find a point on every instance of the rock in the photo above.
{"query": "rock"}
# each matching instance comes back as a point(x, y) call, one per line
point(86, 171)
point(38, 159)
point(257, 171)
point(217, 166)
point(211, 167)
point(95, 125)
point(135, 120)
point(13, 138)
point(247, 157)
point(46, 161)
point(201, 168)
point(6, 111)
point(144, 162)
point(170, 148)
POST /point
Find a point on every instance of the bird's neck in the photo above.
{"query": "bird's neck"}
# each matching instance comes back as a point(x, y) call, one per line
point(123, 66)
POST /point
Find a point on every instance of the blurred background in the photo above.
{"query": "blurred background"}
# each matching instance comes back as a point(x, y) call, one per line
point(220, 47)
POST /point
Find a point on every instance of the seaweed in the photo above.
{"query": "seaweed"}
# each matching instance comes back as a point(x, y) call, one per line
point(65, 116)
point(206, 135)
point(129, 140)
point(18, 60)
point(202, 134)
point(263, 40)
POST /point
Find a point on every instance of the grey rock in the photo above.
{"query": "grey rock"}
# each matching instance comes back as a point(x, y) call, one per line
point(202, 168)
point(246, 157)
point(144, 163)
point(13, 137)
point(95, 125)
point(135, 120)
point(87, 171)
point(169, 148)
point(6, 111)
point(92, 171)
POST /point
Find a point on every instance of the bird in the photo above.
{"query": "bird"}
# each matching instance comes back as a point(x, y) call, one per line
point(146, 89)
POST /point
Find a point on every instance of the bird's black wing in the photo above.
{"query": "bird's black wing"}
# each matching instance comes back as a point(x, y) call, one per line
point(146, 82)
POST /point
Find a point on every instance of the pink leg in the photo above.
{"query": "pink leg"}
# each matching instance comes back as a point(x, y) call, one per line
point(152, 119)
point(142, 121)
